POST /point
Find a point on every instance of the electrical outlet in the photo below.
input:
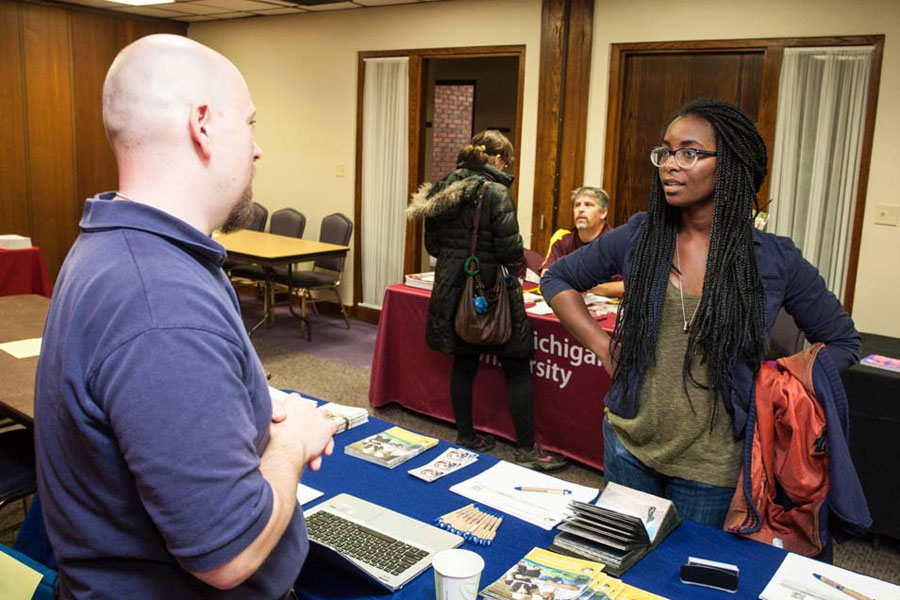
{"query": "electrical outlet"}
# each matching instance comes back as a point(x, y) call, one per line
point(887, 214)
point(340, 170)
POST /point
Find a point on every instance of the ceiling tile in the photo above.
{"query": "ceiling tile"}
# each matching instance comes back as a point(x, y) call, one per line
point(332, 6)
point(281, 10)
point(149, 11)
point(383, 2)
point(196, 8)
point(230, 5)
point(196, 18)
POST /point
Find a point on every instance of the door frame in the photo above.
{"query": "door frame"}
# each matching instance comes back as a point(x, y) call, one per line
point(773, 49)
point(412, 254)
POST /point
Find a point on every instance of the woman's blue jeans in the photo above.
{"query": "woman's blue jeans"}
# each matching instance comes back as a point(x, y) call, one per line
point(694, 500)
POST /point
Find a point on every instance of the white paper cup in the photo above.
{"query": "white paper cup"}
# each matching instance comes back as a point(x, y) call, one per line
point(456, 574)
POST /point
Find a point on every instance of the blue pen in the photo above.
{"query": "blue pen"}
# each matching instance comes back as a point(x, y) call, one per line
point(544, 490)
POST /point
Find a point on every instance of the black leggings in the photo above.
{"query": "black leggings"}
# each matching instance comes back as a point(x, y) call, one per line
point(518, 387)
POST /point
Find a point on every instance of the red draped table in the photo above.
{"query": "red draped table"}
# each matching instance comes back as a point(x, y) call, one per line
point(569, 384)
point(23, 272)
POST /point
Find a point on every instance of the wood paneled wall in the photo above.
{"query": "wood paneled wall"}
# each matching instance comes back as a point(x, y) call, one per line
point(565, 76)
point(53, 60)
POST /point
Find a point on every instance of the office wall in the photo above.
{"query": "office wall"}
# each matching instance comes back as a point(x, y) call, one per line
point(302, 74)
point(617, 21)
point(53, 60)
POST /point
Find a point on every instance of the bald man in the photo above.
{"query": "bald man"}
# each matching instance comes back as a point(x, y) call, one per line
point(164, 469)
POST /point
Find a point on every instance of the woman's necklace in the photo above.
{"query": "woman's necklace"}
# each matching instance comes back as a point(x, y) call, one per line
point(687, 324)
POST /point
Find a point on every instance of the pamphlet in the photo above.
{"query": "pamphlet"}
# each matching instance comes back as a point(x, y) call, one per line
point(545, 574)
point(450, 460)
point(618, 529)
point(390, 447)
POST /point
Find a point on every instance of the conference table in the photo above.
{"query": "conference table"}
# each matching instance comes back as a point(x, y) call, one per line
point(270, 250)
point(568, 383)
point(21, 317)
point(22, 271)
point(658, 572)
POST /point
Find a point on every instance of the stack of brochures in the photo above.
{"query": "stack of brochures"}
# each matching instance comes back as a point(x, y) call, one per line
point(423, 281)
point(346, 417)
point(391, 447)
point(618, 529)
point(544, 574)
point(882, 362)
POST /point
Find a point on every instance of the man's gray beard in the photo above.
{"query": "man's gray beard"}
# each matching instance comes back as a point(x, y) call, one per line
point(241, 213)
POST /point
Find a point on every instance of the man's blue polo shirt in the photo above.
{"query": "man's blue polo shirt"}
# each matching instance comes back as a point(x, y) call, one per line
point(151, 413)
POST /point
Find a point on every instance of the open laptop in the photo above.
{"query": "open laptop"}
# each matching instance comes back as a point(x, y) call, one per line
point(382, 544)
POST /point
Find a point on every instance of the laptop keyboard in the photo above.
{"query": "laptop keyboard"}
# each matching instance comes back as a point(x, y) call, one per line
point(363, 544)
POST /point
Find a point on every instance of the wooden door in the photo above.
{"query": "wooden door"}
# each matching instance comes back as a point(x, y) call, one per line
point(653, 85)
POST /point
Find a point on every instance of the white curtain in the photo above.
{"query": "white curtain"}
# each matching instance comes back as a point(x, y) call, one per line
point(818, 142)
point(385, 168)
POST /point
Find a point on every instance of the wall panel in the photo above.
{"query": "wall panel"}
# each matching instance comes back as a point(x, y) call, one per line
point(48, 117)
point(15, 214)
point(53, 60)
point(95, 166)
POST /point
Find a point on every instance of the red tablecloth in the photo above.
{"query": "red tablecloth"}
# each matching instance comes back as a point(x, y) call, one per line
point(569, 387)
point(23, 272)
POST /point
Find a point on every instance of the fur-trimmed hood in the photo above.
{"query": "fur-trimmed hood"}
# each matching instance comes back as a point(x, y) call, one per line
point(431, 200)
point(427, 204)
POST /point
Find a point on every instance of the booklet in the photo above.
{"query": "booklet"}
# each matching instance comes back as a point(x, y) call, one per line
point(882, 362)
point(618, 529)
point(544, 574)
point(390, 447)
point(541, 574)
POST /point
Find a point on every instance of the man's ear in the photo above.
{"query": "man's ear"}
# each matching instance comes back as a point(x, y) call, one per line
point(603, 213)
point(199, 125)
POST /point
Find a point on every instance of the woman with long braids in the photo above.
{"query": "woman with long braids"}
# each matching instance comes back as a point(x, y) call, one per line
point(448, 207)
point(702, 290)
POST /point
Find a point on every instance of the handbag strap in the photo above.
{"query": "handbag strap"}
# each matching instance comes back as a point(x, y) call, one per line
point(475, 224)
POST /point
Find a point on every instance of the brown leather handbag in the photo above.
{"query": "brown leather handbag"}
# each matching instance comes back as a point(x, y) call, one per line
point(492, 327)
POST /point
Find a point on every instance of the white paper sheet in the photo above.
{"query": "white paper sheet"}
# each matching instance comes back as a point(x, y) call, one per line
point(541, 308)
point(794, 581)
point(306, 494)
point(496, 487)
point(23, 348)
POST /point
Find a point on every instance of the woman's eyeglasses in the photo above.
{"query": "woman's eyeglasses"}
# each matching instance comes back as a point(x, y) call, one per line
point(684, 157)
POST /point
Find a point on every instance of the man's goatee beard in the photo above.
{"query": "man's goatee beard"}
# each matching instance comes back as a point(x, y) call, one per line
point(242, 212)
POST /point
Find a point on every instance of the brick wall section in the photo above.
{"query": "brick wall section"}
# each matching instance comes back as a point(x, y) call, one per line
point(452, 125)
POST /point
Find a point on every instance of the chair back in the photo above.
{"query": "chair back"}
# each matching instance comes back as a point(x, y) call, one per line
point(336, 229)
point(258, 221)
point(533, 260)
point(289, 222)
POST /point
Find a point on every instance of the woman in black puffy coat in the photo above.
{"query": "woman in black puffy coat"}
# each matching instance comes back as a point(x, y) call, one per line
point(448, 207)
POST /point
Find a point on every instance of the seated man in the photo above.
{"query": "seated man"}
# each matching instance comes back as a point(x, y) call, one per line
point(165, 469)
point(590, 206)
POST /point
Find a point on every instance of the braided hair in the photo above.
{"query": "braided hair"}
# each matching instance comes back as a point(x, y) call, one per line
point(730, 321)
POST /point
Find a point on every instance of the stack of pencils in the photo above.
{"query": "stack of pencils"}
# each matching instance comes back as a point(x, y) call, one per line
point(472, 523)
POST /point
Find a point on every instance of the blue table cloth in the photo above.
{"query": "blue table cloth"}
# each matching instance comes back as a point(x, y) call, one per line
point(658, 572)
